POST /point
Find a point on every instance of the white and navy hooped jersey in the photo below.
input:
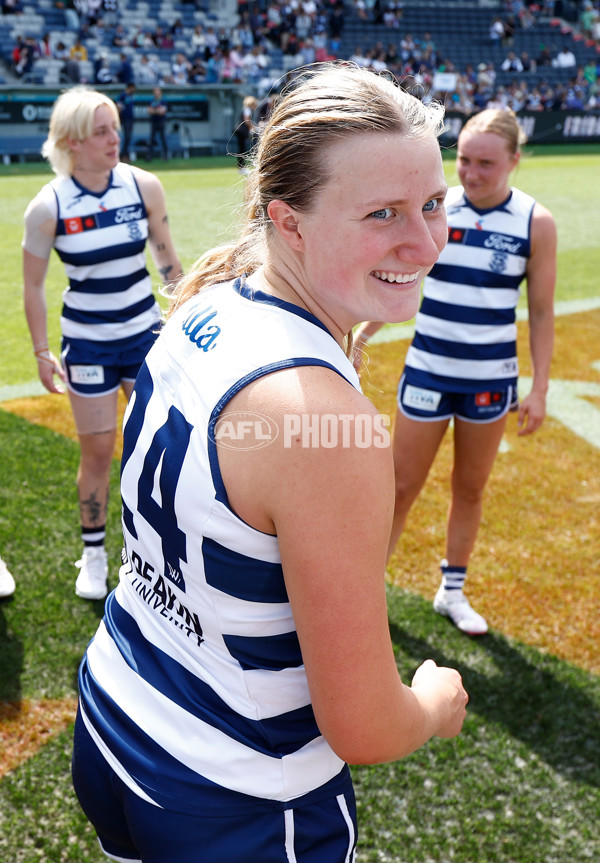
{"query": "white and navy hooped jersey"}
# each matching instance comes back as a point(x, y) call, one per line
point(465, 339)
point(194, 686)
point(100, 238)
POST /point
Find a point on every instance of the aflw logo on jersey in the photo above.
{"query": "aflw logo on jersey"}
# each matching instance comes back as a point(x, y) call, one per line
point(197, 329)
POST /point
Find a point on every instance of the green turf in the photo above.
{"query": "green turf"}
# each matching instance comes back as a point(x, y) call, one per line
point(521, 783)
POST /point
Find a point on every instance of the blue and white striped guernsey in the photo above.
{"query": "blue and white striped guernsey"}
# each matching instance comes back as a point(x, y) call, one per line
point(465, 339)
point(100, 238)
point(194, 687)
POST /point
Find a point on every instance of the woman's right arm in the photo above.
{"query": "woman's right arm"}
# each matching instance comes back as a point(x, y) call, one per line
point(37, 244)
point(331, 508)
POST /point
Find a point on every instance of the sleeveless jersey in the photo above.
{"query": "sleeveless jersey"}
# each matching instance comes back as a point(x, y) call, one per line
point(194, 687)
point(465, 331)
point(100, 238)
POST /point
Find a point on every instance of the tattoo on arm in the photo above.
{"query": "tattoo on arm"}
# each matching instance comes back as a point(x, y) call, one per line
point(164, 272)
point(160, 247)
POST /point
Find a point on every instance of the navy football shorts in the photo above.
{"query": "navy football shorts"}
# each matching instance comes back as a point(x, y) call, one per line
point(425, 404)
point(131, 829)
point(95, 368)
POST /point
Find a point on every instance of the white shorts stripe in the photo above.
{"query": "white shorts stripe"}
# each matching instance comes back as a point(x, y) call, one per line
point(352, 838)
point(289, 835)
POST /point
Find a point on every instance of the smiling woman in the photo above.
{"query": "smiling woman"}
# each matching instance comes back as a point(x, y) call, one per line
point(245, 656)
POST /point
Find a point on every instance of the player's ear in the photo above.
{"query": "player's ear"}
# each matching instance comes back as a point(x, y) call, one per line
point(287, 222)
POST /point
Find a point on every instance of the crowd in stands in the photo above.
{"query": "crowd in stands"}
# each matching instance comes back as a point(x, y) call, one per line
point(298, 32)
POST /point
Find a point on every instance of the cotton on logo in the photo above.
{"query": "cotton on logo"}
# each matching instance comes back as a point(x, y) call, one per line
point(244, 430)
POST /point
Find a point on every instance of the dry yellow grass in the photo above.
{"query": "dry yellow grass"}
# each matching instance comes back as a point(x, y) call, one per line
point(26, 726)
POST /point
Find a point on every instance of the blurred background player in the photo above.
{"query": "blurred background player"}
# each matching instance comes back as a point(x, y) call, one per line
point(98, 214)
point(462, 363)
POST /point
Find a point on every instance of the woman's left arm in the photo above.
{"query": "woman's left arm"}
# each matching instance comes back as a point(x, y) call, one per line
point(162, 248)
point(541, 280)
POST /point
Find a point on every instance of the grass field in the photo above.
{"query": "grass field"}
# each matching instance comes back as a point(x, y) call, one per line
point(522, 782)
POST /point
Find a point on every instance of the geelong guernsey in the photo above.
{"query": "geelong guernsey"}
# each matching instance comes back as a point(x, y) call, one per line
point(193, 687)
point(100, 238)
point(465, 339)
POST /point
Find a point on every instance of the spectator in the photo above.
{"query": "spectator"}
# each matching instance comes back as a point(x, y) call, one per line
point(61, 52)
point(12, 7)
point(508, 36)
point(527, 63)
point(336, 26)
point(45, 46)
point(90, 11)
point(212, 41)
point(590, 73)
point(180, 69)
point(484, 76)
point(213, 67)
point(244, 35)
point(25, 60)
point(142, 39)
point(231, 71)
point(78, 51)
point(125, 74)
point(245, 131)
point(496, 30)
point(534, 101)
point(198, 41)
point(120, 38)
point(198, 72)
point(575, 97)
point(125, 104)
point(157, 111)
point(565, 59)
point(70, 12)
point(512, 63)
point(147, 73)
point(176, 29)
point(168, 43)
point(110, 11)
point(526, 19)
point(102, 73)
point(545, 56)
point(254, 65)
point(158, 37)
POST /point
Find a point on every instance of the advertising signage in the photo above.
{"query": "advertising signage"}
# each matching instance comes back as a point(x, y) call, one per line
point(31, 108)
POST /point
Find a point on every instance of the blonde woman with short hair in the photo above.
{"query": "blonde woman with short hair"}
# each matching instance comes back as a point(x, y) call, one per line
point(98, 214)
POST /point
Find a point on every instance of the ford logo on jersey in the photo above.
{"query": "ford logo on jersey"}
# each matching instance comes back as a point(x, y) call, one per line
point(501, 244)
point(128, 214)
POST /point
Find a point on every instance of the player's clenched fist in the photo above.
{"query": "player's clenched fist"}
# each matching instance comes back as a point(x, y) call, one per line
point(440, 690)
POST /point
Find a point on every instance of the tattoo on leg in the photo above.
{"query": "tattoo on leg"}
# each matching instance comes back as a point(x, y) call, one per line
point(93, 509)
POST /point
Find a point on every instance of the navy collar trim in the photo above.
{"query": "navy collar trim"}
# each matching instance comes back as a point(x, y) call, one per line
point(244, 290)
point(503, 206)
